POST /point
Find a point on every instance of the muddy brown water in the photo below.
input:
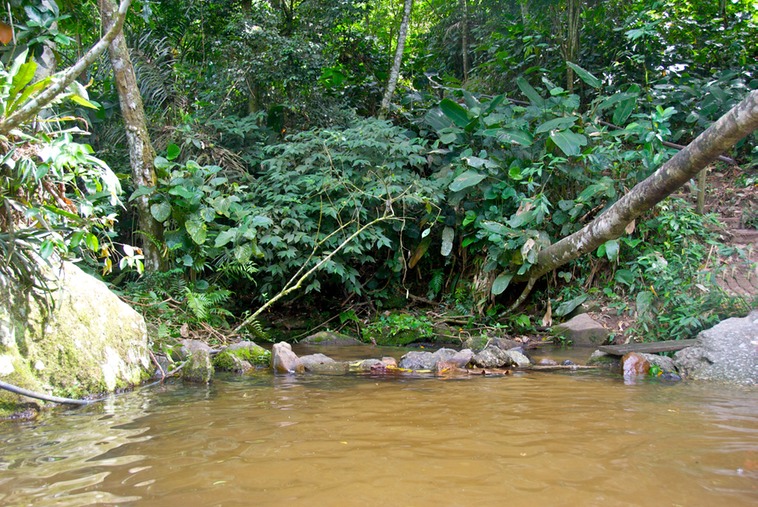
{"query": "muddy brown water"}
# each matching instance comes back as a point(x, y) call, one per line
point(530, 439)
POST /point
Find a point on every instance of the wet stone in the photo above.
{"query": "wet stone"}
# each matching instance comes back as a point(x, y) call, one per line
point(283, 360)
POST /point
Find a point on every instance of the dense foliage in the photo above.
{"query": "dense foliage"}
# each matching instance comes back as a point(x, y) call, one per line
point(513, 126)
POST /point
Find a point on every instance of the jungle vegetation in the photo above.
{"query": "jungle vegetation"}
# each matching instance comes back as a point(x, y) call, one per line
point(342, 158)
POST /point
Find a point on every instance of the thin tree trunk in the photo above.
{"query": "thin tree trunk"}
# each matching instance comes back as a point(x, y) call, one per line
point(141, 152)
point(464, 40)
point(395, 72)
point(570, 42)
point(739, 122)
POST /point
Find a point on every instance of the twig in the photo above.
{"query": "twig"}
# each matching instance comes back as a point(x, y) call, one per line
point(160, 368)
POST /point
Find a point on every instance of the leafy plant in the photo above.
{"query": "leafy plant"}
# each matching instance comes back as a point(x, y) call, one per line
point(398, 329)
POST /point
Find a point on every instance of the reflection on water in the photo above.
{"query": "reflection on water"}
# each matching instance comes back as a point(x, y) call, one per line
point(528, 439)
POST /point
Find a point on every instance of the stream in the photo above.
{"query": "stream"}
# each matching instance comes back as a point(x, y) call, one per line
point(532, 438)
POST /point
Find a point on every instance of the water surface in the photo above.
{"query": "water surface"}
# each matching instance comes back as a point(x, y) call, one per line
point(523, 440)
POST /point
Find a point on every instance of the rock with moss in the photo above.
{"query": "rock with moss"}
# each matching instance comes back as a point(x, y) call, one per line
point(330, 338)
point(241, 357)
point(90, 343)
point(198, 368)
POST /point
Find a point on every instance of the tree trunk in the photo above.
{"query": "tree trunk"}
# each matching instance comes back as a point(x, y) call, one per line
point(464, 40)
point(739, 122)
point(570, 42)
point(141, 152)
point(395, 72)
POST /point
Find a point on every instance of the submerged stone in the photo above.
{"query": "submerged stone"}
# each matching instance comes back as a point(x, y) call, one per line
point(634, 365)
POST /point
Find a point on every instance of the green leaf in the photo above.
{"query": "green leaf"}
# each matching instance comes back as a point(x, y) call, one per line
point(455, 112)
point(46, 249)
point(141, 190)
point(569, 306)
point(196, 229)
point(466, 180)
point(242, 253)
point(22, 78)
point(501, 283)
point(584, 75)
point(569, 142)
point(562, 123)
point(82, 101)
point(516, 136)
point(530, 92)
point(92, 242)
point(626, 106)
point(225, 237)
point(612, 250)
point(437, 119)
point(160, 211)
point(172, 151)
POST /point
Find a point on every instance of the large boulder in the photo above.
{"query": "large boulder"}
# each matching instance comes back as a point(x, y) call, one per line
point(728, 352)
point(91, 342)
point(582, 330)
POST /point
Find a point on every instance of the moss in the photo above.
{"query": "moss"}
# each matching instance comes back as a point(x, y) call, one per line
point(254, 355)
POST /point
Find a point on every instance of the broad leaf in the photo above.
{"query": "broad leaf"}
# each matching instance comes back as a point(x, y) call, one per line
point(515, 136)
point(437, 119)
point(569, 306)
point(455, 112)
point(466, 180)
point(569, 142)
point(172, 151)
point(501, 283)
point(160, 211)
point(562, 123)
point(196, 229)
point(530, 92)
point(584, 75)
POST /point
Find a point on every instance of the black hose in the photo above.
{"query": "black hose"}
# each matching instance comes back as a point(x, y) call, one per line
point(45, 397)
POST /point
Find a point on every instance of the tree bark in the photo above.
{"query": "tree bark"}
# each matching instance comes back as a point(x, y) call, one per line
point(141, 152)
point(395, 71)
point(464, 40)
point(739, 122)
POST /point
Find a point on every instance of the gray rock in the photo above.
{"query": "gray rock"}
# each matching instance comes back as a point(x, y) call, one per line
point(582, 330)
point(491, 357)
point(462, 358)
point(330, 338)
point(283, 360)
point(190, 346)
point(728, 352)
point(427, 360)
point(92, 342)
point(516, 358)
point(505, 343)
point(198, 368)
point(314, 360)
point(417, 361)
point(369, 365)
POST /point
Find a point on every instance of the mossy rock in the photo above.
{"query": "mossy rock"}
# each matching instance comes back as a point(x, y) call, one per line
point(330, 338)
point(229, 359)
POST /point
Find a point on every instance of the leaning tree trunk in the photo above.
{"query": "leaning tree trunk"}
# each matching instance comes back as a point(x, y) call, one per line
point(141, 152)
point(739, 122)
point(395, 72)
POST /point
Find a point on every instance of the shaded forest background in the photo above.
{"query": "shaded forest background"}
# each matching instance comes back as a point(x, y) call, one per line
point(512, 125)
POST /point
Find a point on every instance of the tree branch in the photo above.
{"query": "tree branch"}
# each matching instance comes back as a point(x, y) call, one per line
point(61, 81)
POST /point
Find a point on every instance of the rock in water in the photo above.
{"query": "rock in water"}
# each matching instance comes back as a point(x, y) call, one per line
point(728, 352)
point(283, 360)
point(635, 365)
point(92, 342)
point(582, 330)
